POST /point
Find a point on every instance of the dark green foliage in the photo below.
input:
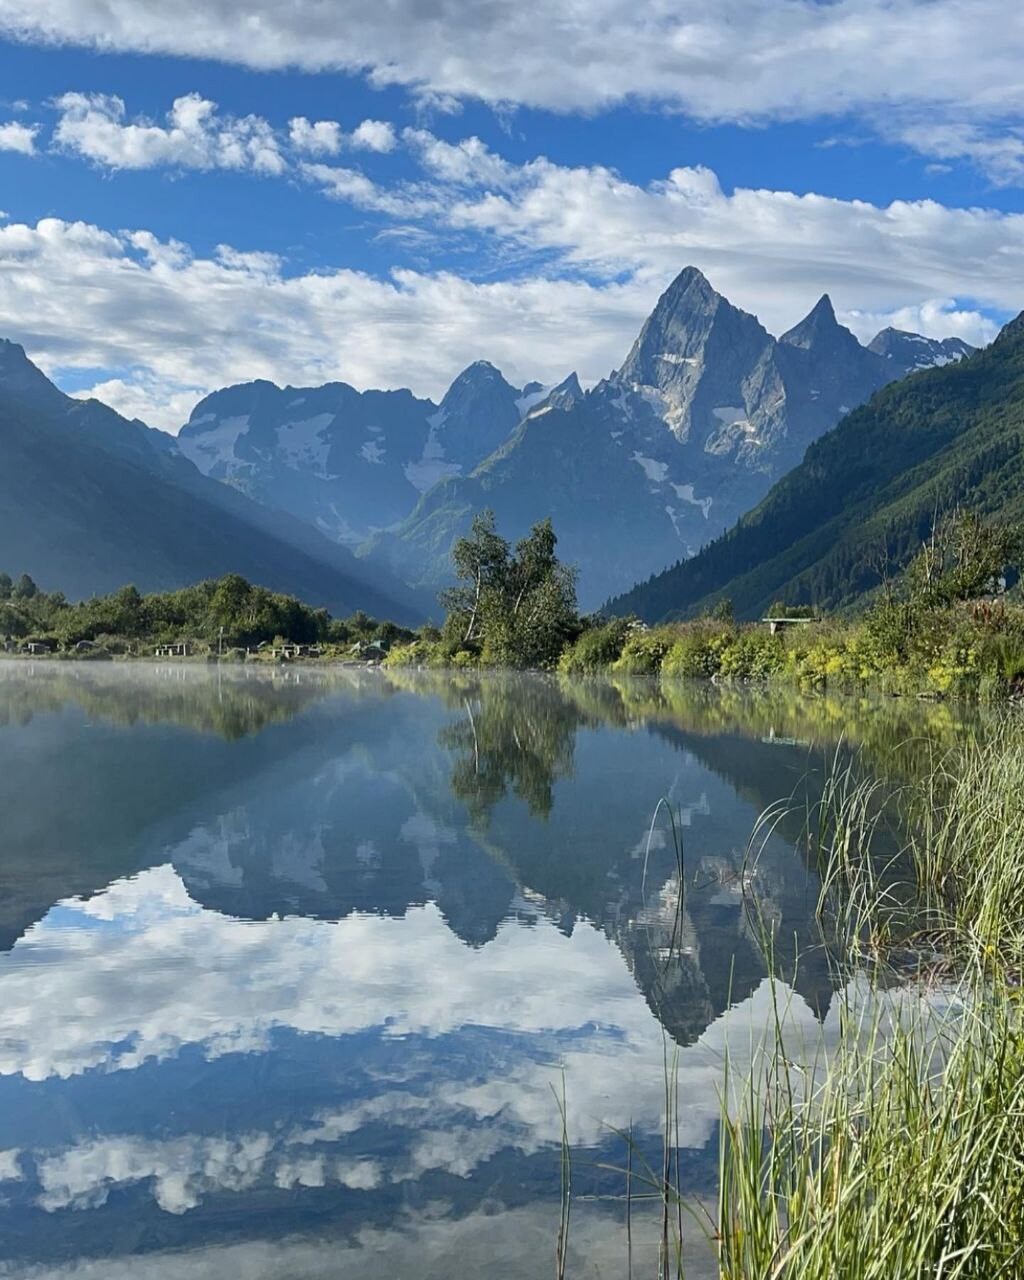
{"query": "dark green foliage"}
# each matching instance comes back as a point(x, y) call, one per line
point(222, 613)
point(867, 495)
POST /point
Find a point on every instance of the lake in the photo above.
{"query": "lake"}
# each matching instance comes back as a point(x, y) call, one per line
point(300, 969)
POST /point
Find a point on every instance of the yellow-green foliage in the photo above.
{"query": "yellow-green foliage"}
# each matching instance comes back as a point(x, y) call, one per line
point(698, 649)
point(644, 651)
point(597, 648)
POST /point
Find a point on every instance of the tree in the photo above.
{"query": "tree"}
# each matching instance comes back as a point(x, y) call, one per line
point(25, 588)
point(963, 558)
point(6, 586)
point(514, 609)
point(481, 562)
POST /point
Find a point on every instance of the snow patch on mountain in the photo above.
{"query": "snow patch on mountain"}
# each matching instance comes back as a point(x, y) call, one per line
point(525, 403)
point(656, 472)
point(303, 445)
point(372, 451)
point(214, 450)
point(685, 492)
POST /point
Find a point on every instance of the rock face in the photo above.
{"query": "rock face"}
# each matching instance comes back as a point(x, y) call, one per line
point(909, 351)
point(706, 412)
point(950, 434)
point(351, 462)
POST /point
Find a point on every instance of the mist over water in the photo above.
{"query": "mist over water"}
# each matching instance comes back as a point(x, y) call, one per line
point(294, 965)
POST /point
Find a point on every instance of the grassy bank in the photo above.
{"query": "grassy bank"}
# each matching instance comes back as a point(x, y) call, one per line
point(899, 1154)
point(968, 650)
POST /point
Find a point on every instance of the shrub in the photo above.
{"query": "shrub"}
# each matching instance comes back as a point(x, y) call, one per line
point(644, 651)
point(697, 653)
point(597, 648)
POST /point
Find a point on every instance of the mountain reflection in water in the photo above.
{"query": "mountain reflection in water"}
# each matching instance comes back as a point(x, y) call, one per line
point(293, 964)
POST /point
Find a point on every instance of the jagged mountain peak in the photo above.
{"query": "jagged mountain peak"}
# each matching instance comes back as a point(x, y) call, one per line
point(912, 351)
point(819, 328)
point(481, 375)
point(21, 378)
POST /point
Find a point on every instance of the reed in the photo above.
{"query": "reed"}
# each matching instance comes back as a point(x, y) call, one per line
point(899, 1153)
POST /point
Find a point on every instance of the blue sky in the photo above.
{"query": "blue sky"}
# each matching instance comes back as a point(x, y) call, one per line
point(197, 194)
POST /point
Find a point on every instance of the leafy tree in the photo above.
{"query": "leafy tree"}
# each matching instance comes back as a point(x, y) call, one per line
point(963, 558)
point(6, 586)
point(482, 563)
point(25, 588)
point(512, 608)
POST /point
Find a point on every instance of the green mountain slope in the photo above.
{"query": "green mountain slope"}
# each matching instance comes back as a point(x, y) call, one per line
point(871, 487)
point(90, 501)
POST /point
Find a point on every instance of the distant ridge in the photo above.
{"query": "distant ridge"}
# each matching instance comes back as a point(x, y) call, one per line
point(90, 502)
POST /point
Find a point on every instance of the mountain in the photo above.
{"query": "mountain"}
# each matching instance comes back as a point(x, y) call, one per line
point(90, 501)
point(706, 412)
point(911, 352)
point(946, 435)
point(350, 462)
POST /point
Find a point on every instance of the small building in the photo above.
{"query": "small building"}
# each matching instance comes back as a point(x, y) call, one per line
point(180, 649)
point(37, 647)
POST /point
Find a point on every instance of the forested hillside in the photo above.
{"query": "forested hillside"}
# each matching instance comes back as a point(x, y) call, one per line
point(866, 494)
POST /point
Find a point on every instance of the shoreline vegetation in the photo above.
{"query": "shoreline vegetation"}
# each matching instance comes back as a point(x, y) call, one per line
point(945, 626)
point(900, 1153)
point(892, 1149)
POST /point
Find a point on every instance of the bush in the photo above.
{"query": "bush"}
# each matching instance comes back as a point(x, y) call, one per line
point(644, 651)
point(697, 653)
point(597, 648)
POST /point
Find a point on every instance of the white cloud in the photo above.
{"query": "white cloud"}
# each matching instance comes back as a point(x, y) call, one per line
point(715, 59)
point(999, 153)
point(429, 1242)
point(374, 135)
point(195, 136)
point(935, 318)
point(159, 402)
point(604, 248)
point(15, 136)
point(324, 137)
point(355, 188)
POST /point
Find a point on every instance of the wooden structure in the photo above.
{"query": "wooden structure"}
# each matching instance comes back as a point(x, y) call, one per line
point(180, 650)
point(775, 625)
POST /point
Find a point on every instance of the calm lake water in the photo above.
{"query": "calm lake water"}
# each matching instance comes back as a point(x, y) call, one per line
point(295, 966)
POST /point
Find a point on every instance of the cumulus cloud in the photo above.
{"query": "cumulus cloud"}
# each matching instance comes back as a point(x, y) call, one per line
point(714, 59)
point(584, 254)
point(15, 136)
point(324, 137)
point(181, 321)
point(327, 138)
point(194, 136)
point(374, 135)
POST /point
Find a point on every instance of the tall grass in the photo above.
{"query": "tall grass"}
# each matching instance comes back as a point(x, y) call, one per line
point(895, 1151)
point(901, 1154)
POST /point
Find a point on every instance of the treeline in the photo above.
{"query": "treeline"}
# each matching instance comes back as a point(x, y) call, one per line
point(220, 614)
point(943, 626)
